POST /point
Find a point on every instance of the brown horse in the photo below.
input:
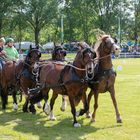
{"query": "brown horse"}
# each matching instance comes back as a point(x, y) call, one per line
point(29, 75)
point(58, 54)
point(105, 78)
point(7, 81)
point(13, 72)
point(70, 80)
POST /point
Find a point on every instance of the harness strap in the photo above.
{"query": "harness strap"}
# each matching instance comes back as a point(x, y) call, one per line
point(64, 65)
point(101, 57)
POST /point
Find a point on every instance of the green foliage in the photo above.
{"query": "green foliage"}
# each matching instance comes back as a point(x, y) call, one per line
point(41, 19)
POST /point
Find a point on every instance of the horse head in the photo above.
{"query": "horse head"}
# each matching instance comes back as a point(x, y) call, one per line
point(33, 55)
point(108, 45)
point(85, 59)
point(58, 53)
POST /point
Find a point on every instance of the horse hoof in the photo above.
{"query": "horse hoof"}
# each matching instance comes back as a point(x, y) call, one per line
point(88, 115)
point(93, 120)
point(15, 106)
point(34, 112)
point(53, 118)
point(119, 121)
point(25, 110)
point(47, 111)
point(39, 105)
point(77, 125)
point(62, 109)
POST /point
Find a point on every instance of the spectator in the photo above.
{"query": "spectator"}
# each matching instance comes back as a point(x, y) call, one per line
point(2, 52)
point(11, 52)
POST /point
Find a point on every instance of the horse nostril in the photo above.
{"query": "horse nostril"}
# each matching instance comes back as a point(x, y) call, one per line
point(89, 69)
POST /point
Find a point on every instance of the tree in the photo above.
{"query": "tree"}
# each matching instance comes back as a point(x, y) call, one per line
point(39, 13)
point(4, 7)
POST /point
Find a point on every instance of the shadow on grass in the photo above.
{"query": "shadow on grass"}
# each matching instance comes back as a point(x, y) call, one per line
point(39, 125)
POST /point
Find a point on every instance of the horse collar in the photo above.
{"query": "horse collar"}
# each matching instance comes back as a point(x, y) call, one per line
point(75, 77)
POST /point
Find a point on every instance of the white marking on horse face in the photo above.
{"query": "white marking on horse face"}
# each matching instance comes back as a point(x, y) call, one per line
point(90, 55)
point(90, 70)
point(116, 46)
point(116, 49)
point(35, 65)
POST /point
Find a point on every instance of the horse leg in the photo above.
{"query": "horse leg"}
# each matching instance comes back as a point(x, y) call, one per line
point(25, 106)
point(73, 111)
point(32, 108)
point(82, 111)
point(54, 96)
point(112, 94)
point(4, 98)
point(96, 94)
point(64, 103)
point(46, 106)
point(39, 105)
point(20, 96)
point(88, 115)
point(15, 105)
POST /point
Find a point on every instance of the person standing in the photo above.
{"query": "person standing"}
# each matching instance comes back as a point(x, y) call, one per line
point(11, 52)
point(2, 52)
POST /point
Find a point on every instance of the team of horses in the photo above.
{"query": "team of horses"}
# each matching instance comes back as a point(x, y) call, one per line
point(91, 68)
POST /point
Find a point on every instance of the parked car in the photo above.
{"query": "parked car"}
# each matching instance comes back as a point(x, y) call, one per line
point(48, 46)
point(70, 47)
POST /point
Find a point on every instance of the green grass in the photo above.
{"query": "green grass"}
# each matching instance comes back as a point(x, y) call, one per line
point(25, 126)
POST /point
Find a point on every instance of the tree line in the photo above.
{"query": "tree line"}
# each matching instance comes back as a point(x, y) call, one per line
point(41, 20)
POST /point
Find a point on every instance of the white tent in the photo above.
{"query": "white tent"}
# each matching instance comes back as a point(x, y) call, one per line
point(48, 46)
point(24, 45)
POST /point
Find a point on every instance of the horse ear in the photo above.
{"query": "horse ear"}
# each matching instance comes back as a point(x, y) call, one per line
point(37, 46)
point(30, 47)
point(104, 37)
point(83, 45)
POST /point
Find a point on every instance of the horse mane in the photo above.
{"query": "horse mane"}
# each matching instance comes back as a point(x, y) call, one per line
point(99, 41)
point(83, 44)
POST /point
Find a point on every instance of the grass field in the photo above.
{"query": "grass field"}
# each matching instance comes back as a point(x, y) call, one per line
point(25, 126)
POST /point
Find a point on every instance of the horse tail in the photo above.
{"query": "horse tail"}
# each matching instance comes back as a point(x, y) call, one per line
point(37, 97)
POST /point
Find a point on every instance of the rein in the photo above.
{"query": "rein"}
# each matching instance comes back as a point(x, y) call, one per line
point(26, 64)
point(66, 65)
point(102, 57)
